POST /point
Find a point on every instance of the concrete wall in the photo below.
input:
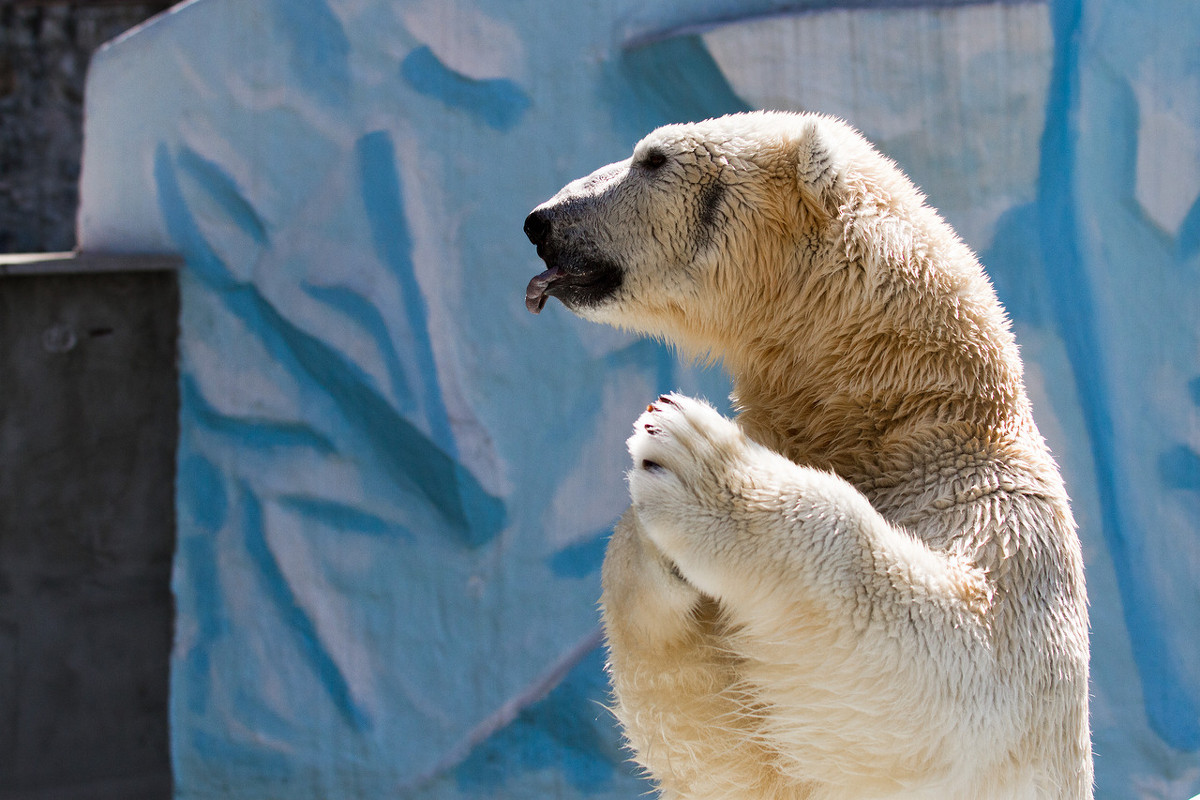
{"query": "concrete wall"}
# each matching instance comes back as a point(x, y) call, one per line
point(394, 484)
point(88, 424)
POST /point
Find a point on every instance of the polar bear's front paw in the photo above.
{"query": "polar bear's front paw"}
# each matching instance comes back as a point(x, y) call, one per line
point(685, 458)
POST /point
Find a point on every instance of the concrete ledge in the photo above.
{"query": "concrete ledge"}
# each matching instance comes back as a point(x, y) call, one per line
point(86, 263)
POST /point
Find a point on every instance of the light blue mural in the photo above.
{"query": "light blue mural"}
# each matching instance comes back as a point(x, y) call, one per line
point(395, 485)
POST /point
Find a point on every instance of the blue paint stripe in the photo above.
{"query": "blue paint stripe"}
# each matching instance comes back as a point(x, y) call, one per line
point(342, 517)
point(275, 586)
point(416, 463)
point(319, 48)
point(1187, 240)
point(256, 433)
point(364, 312)
point(672, 81)
point(1179, 468)
point(499, 103)
point(409, 456)
point(200, 492)
point(224, 191)
point(383, 198)
point(582, 558)
point(198, 591)
point(1172, 709)
point(258, 766)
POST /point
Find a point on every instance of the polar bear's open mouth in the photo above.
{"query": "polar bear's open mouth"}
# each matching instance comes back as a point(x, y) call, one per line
point(575, 289)
point(584, 283)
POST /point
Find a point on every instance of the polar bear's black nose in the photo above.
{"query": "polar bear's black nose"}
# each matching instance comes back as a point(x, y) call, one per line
point(537, 226)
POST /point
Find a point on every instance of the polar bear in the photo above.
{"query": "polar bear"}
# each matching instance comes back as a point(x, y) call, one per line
point(869, 585)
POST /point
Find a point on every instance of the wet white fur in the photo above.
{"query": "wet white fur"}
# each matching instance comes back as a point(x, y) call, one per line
point(868, 586)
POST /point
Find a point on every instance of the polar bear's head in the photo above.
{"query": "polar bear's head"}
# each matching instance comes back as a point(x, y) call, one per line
point(699, 211)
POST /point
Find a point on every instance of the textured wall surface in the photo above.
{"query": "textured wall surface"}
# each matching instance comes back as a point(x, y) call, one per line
point(88, 421)
point(395, 485)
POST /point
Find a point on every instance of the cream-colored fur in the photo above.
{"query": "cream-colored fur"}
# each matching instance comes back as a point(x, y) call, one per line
point(869, 585)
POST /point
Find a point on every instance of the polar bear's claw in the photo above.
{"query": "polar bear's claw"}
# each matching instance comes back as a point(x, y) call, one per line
point(686, 438)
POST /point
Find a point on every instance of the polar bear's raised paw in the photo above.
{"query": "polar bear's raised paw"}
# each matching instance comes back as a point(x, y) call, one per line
point(688, 466)
point(684, 438)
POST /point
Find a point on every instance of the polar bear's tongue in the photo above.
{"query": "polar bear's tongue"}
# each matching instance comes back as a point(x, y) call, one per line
point(536, 294)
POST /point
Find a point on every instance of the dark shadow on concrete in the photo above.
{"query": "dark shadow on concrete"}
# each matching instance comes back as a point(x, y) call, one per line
point(88, 429)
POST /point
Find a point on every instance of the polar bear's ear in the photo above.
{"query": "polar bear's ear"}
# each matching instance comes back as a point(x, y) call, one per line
point(817, 172)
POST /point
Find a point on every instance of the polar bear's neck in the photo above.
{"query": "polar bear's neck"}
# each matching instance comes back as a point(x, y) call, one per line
point(844, 391)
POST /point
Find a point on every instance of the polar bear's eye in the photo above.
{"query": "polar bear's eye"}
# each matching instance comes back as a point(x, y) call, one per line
point(653, 159)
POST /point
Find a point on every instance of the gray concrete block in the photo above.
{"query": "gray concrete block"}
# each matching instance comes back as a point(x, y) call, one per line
point(88, 426)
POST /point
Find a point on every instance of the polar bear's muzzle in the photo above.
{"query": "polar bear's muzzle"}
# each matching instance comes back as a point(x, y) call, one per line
point(577, 273)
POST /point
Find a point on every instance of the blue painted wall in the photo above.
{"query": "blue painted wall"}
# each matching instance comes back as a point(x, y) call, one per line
point(395, 485)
